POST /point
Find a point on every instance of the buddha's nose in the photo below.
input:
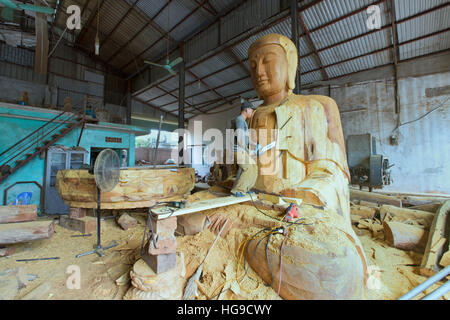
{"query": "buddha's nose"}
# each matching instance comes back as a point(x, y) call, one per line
point(260, 70)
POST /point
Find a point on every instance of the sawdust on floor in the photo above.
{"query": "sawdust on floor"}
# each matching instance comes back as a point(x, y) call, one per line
point(393, 272)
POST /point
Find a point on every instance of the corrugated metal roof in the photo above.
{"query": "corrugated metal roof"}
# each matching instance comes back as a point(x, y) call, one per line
point(345, 29)
point(247, 17)
point(357, 47)
point(235, 87)
point(407, 8)
point(151, 8)
point(329, 10)
point(363, 63)
point(423, 25)
point(425, 46)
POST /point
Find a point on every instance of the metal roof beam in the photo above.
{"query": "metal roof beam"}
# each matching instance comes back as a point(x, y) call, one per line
point(308, 36)
point(381, 50)
point(167, 34)
point(120, 22)
point(192, 82)
point(208, 90)
point(155, 107)
point(376, 30)
point(149, 22)
point(276, 19)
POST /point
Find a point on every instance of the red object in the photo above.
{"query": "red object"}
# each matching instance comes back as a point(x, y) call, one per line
point(291, 212)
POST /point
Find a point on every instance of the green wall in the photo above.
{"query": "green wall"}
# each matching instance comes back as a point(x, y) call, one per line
point(14, 129)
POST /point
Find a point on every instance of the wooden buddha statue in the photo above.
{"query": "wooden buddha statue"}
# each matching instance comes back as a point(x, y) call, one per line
point(326, 260)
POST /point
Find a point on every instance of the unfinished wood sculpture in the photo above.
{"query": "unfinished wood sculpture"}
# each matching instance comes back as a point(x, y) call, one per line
point(439, 235)
point(137, 188)
point(308, 162)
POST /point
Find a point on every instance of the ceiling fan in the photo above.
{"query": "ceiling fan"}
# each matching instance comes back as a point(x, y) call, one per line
point(22, 6)
point(169, 65)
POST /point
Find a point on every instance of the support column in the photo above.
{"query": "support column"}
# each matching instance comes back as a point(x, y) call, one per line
point(181, 96)
point(129, 103)
point(294, 38)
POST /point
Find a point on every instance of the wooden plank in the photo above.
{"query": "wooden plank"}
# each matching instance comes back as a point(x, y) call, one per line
point(84, 225)
point(202, 205)
point(435, 246)
point(26, 231)
point(363, 211)
point(393, 213)
point(374, 197)
point(12, 214)
point(431, 207)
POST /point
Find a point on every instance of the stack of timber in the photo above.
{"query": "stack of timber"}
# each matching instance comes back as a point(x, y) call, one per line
point(137, 187)
point(417, 223)
point(18, 224)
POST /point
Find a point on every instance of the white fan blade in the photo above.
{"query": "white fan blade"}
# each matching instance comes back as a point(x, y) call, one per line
point(172, 72)
point(176, 61)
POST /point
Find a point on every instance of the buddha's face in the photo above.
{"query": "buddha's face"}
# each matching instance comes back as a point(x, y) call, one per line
point(269, 70)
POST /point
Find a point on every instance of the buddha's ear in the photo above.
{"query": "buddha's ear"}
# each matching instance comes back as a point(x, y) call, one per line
point(292, 60)
point(292, 68)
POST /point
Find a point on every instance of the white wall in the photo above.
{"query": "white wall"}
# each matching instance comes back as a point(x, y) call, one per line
point(220, 121)
point(422, 157)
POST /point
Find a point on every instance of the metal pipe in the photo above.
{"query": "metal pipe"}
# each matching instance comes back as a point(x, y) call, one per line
point(439, 292)
point(181, 97)
point(157, 141)
point(426, 284)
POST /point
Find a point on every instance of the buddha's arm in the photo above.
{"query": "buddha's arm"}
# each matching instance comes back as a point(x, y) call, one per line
point(335, 133)
point(326, 182)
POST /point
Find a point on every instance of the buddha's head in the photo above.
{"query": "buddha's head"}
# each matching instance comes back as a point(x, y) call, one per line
point(273, 65)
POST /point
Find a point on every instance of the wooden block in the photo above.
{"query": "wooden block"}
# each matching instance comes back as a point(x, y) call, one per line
point(368, 204)
point(4, 252)
point(164, 245)
point(374, 197)
point(84, 225)
point(431, 207)
point(26, 231)
point(363, 211)
point(160, 263)
point(403, 214)
point(191, 224)
point(13, 214)
point(76, 213)
point(164, 226)
point(126, 222)
point(405, 237)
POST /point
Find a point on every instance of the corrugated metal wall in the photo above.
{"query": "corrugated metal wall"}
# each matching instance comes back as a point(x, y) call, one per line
point(422, 158)
point(68, 70)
